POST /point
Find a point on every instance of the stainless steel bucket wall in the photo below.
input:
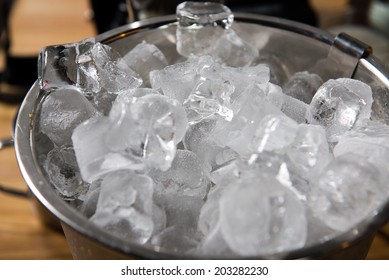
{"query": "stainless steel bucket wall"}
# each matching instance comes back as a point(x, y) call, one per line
point(300, 47)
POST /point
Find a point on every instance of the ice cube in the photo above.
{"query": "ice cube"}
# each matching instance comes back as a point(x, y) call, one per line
point(303, 86)
point(95, 157)
point(232, 50)
point(241, 78)
point(103, 68)
point(218, 86)
point(209, 213)
point(369, 140)
point(208, 98)
point(182, 213)
point(226, 172)
point(186, 175)
point(318, 231)
point(159, 219)
point(280, 69)
point(149, 127)
point(232, 180)
point(198, 140)
point(102, 101)
point(178, 80)
point(274, 132)
point(144, 58)
point(63, 172)
point(200, 24)
point(259, 216)
point(339, 104)
point(57, 64)
point(176, 240)
point(90, 65)
point(348, 191)
point(309, 152)
point(294, 108)
point(128, 97)
point(274, 164)
point(213, 242)
point(273, 94)
point(88, 207)
point(224, 156)
point(139, 131)
point(62, 110)
point(257, 126)
point(266, 162)
point(125, 206)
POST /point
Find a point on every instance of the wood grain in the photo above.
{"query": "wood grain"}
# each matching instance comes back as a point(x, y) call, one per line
point(39, 23)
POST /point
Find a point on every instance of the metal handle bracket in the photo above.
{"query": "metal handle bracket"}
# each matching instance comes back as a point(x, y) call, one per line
point(344, 55)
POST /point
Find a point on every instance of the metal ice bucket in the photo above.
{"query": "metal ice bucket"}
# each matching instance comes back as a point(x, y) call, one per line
point(298, 46)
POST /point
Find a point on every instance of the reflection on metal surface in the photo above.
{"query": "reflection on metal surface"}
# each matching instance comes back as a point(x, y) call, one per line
point(383, 77)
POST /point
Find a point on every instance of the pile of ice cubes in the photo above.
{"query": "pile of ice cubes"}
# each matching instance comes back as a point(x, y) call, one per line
point(205, 155)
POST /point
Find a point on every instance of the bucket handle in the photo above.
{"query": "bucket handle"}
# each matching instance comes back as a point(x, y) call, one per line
point(8, 143)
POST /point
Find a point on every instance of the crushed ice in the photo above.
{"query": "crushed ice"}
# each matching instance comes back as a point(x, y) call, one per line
point(206, 155)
